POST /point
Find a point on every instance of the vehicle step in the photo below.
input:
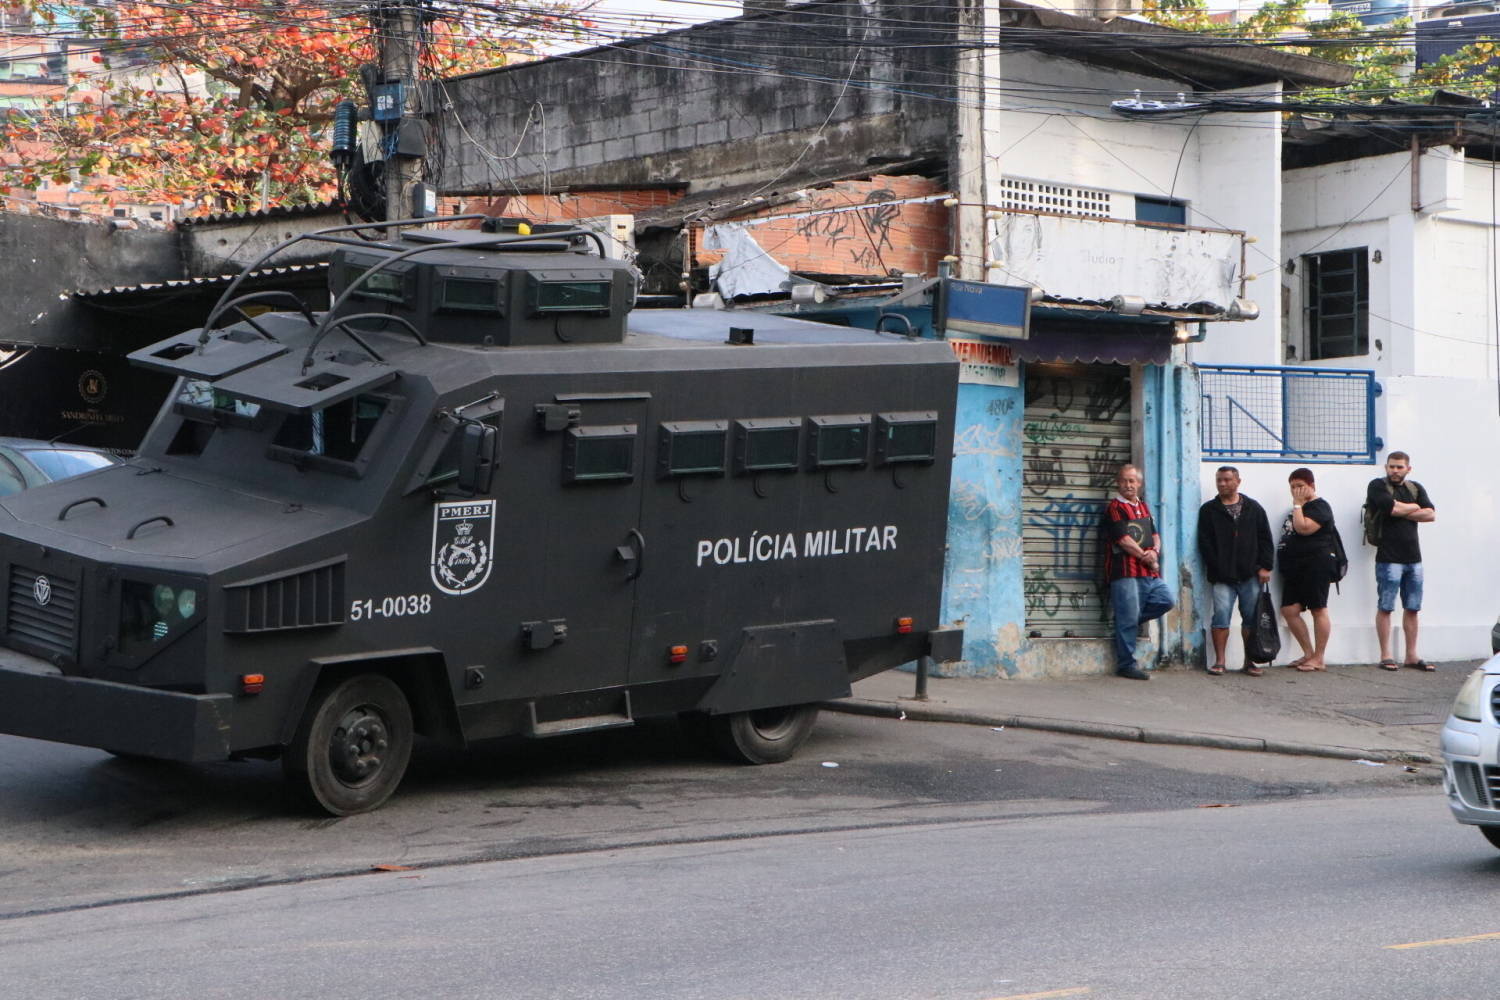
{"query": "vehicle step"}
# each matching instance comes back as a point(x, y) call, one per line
point(581, 723)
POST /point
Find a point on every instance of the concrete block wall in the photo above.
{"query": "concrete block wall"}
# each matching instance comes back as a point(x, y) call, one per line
point(712, 104)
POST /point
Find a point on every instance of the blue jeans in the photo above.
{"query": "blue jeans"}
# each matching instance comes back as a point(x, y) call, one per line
point(1226, 595)
point(1135, 599)
point(1405, 577)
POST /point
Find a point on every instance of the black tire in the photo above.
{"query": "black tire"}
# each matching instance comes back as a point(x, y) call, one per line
point(764, 736)
point(1492, 834)
point(352, 747)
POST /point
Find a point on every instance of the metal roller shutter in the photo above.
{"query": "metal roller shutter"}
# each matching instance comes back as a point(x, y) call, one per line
point(1075, 438)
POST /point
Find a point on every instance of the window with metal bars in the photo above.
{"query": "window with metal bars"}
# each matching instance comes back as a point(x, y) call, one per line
point(1338, 304)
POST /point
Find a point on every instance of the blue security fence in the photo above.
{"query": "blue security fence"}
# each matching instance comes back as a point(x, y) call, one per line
point(1255, 413)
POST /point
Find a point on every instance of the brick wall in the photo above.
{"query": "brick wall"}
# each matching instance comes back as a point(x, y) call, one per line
point(566, 206)
point(879, 241)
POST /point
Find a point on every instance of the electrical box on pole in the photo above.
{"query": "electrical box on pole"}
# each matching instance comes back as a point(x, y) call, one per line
point(395, 100)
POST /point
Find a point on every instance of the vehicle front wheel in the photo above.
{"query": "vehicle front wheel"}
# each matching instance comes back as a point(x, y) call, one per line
point(1492, 834)
point(353, 745)
point(764, 736)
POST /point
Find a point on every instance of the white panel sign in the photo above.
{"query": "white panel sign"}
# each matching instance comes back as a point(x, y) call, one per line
point(985, 362)
point(1093, 260)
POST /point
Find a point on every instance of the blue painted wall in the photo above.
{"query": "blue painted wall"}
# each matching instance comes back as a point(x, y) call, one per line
point(982, 581)
point(984, 585)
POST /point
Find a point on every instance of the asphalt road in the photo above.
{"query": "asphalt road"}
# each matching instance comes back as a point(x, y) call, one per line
point(1378, 897)
point(83, 829)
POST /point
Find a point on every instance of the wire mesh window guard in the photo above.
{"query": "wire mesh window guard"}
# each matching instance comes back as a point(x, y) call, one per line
point(1271, 414)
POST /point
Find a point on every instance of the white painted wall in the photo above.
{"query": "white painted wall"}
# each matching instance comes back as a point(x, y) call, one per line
point(1433, 349)
point(1053, 123)
point(1462, 585)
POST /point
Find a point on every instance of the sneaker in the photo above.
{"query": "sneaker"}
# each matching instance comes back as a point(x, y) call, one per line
point(1133, 673)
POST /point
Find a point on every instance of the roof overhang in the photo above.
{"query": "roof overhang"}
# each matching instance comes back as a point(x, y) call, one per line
point(1152, 50)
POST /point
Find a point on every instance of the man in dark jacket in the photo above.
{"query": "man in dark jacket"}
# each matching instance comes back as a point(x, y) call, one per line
point(1234, 538)
point(1398, 504)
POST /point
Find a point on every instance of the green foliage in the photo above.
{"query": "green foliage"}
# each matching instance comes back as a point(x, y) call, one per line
point(1381, 57)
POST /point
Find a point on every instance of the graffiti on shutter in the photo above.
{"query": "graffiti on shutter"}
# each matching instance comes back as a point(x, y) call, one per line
point(1075, 437)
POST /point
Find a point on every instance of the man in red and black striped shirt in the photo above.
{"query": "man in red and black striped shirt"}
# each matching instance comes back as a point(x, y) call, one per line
point(1132, 564)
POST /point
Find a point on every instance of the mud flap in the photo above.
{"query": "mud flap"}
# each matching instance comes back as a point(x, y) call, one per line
point(774, 665)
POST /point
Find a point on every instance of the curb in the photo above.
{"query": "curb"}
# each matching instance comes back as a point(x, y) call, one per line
point(1131, 734)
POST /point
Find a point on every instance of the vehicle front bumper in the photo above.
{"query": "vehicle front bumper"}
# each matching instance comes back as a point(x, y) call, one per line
point(1471, 771)
point(38, 702)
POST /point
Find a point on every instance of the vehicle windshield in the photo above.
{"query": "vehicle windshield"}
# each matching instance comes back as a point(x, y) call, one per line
point(60, 464)
point(196, 392)
point(234, 433)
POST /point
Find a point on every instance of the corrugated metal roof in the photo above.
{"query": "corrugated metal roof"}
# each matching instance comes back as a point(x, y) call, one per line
point(275, 212)
point(216, 281)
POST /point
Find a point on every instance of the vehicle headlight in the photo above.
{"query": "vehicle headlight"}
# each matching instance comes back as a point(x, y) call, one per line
point(152, 614)
point(1469, 704)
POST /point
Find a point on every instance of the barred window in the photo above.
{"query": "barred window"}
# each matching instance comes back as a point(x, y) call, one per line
point(1338, 304)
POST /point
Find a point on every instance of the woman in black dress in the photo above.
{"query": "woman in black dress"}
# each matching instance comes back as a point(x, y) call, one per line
point(1306, 558)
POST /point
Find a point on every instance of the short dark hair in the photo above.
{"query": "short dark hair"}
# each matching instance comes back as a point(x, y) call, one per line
point(1398, 456)
point(1226, 468)
point(1304, 475)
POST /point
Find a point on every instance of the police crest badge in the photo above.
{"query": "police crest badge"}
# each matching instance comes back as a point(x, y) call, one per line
point(463, 544)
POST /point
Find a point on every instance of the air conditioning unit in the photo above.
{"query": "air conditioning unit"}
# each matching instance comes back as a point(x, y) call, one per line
point(618, 232)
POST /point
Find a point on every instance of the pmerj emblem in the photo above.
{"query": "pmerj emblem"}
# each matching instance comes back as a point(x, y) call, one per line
point(41, 590)
point(463, 543)
point(93, 387)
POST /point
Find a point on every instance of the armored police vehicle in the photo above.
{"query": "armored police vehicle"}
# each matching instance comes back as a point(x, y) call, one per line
point(466, 503)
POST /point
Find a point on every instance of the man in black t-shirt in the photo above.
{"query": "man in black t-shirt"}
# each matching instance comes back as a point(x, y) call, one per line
point(1399, 506)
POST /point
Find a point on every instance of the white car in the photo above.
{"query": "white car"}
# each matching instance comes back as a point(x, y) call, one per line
point(1471, 752)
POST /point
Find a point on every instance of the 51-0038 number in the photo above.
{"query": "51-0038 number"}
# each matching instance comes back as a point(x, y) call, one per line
point(390, 607)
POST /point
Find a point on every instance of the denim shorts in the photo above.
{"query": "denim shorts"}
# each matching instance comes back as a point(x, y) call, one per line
point(1246, 592)
point(1406, 577)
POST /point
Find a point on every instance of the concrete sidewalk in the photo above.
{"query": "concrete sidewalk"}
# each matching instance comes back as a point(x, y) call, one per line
point(1349, 712)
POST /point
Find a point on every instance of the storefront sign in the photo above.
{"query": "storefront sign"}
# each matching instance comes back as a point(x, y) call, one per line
point(985, 362)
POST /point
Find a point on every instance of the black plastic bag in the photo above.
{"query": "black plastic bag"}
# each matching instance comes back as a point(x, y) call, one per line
point(1264, 641)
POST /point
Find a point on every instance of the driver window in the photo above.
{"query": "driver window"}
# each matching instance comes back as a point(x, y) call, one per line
point(339, 432)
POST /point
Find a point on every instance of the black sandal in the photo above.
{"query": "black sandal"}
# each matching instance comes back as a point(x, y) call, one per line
point(1422, 665)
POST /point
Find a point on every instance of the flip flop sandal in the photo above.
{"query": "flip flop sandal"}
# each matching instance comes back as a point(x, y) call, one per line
point(1251, 670)
point(1297, 663)
point(1388, 664)
point(1421, 665)
point(1215, 668)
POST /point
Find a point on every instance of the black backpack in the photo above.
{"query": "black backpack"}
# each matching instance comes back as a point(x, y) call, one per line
point(1372, 522)
point(1340, 557)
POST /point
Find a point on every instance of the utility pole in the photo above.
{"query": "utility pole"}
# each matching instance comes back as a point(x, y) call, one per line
point(397, 102)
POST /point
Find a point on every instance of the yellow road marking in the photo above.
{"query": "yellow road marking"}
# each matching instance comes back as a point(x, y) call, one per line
point(1073, 992)
point(1442, 941)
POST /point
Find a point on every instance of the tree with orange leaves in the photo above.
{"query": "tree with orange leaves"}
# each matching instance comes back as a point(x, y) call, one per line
point(226, 104)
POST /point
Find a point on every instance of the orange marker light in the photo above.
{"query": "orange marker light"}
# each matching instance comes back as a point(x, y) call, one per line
point(677, 654)
point(252, 683)
point(903, 625)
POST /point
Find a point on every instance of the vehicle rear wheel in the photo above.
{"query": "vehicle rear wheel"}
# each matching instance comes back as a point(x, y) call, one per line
point(764, 736)
point(353, 746)
point(1492, 834)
